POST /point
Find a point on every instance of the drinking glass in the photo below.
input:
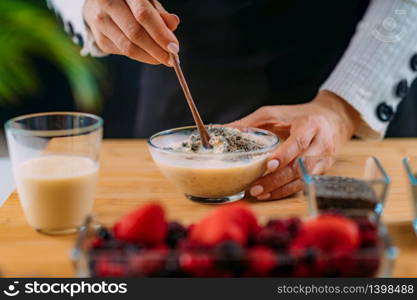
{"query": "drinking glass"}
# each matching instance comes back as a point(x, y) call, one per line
point(55, 164)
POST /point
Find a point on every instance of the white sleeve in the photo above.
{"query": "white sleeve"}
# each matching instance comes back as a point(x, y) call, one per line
point(377, 69)
point(70, 12)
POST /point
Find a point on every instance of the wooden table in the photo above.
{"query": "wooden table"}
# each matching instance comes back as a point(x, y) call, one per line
point(129, 178)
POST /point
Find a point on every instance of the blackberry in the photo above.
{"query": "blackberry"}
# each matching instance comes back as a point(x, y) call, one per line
point(277, 225)
point(176, 233)
point(293, 226)
point(230, 256)
point(104, 234)
point(275, 239)
point(366, 225)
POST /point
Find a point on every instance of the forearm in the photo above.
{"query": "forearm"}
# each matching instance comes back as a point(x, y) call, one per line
point(376, 70)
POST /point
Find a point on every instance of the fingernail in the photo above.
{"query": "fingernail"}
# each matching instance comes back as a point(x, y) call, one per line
point(264, 197)
point(272, 165)
point(173, 48)
point(178, 19)
point(256, 190)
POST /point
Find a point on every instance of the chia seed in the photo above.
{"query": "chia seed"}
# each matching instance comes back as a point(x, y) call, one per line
point(224, 140)
point(339, 193)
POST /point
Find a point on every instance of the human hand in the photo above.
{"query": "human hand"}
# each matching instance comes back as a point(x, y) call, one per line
point(319, 127)
point(138, 29)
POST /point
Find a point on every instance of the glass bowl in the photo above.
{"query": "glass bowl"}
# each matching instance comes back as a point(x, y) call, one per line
point(210, 177)
point(354, 185)
point(118, 259)
point(410, 165)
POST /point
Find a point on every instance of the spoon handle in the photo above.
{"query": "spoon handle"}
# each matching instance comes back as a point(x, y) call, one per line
point(197, 119)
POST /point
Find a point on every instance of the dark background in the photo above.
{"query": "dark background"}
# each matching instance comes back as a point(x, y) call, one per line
point(120, 98)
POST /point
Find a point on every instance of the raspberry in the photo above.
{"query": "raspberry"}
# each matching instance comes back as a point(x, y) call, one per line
point(196, 264)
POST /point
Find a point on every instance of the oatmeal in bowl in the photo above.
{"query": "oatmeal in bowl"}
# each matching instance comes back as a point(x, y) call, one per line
point(221, 174)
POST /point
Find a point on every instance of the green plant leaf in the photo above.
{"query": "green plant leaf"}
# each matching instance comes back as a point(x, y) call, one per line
point(28, 30)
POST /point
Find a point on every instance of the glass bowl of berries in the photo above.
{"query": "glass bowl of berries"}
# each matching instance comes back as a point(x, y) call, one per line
point(351, 185)
point(230, 242)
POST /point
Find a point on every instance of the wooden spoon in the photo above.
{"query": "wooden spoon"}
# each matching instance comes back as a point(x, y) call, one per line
point(197, 119)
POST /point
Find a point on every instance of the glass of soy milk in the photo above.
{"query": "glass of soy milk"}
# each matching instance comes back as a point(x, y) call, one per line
point(55, 165)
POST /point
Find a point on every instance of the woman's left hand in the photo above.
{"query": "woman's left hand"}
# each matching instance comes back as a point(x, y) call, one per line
point(320, 127)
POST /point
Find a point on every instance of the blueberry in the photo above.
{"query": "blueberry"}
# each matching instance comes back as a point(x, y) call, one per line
point(176, 233)
point(104, 234)
point(310, 256)
point(230, 256)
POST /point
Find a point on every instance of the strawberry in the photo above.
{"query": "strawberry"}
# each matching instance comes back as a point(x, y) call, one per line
point(240, 214)
point(330, 233)
point(230, 222)
point(145, 225)
point(262, 260)
point(216, 229)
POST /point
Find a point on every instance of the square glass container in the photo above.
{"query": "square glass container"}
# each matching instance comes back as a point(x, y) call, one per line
point(128, 261)
point(352, 185)
point(410, 165)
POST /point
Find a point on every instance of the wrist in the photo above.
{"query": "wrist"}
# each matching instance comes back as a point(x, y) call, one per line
point(347, 115)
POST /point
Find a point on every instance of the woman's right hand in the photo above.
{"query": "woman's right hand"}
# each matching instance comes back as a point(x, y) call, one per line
point(134, 28)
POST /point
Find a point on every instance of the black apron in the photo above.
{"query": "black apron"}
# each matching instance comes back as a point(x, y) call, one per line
point(239, 55)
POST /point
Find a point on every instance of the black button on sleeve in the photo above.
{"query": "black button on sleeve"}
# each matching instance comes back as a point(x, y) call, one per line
point(384, 112)
point(79, 40)
point(401, 90)
point(413, 63)
point(70, 29)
